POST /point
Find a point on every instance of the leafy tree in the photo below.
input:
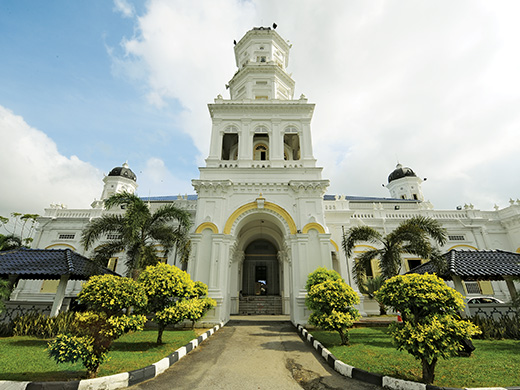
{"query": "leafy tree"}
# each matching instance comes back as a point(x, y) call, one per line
point(431, 327)
point(411, 236)
point(330, 299)
point(5, 292)
point(138, 232)
point(9, 242)
point(20, 229)
point(109, 300)
point(173, 297)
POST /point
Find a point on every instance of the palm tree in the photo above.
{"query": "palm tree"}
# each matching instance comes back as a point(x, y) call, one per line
point(138, 232)
point(412, 236)
point(370, 286)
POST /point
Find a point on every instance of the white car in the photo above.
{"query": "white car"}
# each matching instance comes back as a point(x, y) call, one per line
point(483, 300)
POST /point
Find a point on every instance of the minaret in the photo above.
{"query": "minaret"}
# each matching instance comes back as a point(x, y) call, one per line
point(261, 126)
point(260, 214)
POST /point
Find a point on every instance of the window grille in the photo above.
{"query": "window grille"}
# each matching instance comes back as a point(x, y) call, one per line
point(456, 238)
point(66, 236)
point(472, 287)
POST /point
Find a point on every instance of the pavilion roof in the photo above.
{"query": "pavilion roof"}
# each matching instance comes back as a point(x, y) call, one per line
point(48, 264)
point(476, 265)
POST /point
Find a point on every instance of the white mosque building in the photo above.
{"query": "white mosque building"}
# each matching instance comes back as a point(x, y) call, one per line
point(261, 213)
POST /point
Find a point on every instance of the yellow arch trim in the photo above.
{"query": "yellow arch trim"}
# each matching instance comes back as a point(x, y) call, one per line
point(67, 245)
point(361, 247)
point(463, 246)
point(254, 205)
point(313, 225)
point(334, 245)
point(518, 250)
point(207, 225)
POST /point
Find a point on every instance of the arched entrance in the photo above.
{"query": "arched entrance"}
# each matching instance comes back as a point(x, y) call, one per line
point(260, 270)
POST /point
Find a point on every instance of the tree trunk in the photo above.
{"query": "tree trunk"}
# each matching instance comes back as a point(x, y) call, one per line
point(428, 371)
point(382, 309)
point(344, 337)
point(160, 333)
point(92, 372)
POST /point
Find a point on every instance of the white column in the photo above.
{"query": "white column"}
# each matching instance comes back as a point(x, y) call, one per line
point(60, 294)
point(457, 281)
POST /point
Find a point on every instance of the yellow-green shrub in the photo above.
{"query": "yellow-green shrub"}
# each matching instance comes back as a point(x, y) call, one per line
point(330, 299)
point(431, 327)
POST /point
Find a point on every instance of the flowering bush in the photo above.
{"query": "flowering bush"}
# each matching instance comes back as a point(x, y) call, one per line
point(431, 327)
point(109, 299)
point(173, 297)
point(331, 300)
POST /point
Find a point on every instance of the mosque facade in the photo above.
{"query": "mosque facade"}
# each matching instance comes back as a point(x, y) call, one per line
point(262, 218)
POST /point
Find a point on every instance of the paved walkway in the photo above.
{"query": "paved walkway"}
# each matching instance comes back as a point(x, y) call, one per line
point(253, 352)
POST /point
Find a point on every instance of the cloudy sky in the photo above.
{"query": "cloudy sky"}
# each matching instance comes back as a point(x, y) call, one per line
point(86, 86)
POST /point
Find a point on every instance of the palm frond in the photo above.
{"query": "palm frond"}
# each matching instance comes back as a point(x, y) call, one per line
point(431, 227)
point(363, 263)
point(172, 213)
point(100, 227)
point(359, 233)
point(104, 252)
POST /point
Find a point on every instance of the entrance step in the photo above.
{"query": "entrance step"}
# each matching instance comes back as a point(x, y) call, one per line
point(260, 304)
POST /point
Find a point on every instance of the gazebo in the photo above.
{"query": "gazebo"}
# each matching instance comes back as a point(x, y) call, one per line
point(475, 266)
point(49, 264)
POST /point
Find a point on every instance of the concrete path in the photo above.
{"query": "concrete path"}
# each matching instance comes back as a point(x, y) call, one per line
point(253, 352)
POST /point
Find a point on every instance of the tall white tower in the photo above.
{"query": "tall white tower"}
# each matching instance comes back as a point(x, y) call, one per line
point(260, 215)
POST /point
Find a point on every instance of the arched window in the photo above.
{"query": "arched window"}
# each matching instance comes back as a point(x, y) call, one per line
point(261, 152)
point(261, 144)
point(230, 143)
point(291, 143)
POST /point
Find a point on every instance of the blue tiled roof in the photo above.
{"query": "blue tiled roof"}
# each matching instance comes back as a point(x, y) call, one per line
point(167, 198)
point(48, 264)
point(476, 265)
point(171, 198)
point(351, 198)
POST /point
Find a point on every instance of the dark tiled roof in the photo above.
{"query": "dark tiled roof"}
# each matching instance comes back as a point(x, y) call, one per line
point(473, 265)
point(48, 264)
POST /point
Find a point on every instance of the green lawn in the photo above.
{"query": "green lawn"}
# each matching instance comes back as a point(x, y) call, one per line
point(494, 363)
point(25, 358)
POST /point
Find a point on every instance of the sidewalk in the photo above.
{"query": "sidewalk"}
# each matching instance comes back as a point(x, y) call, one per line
point(253, 352)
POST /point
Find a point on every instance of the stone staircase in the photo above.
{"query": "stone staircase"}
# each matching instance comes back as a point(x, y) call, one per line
point(260, 304)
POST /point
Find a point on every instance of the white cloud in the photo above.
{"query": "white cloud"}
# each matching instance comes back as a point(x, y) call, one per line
point(35, 174)
point(155, 179)
point(432, 84)
point(124, 7)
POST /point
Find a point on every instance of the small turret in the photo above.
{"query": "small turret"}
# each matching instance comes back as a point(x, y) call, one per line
point(120, 179)
point(403, 183)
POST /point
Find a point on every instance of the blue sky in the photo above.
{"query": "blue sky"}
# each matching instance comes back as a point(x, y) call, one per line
point(57, 73)
point(88, 85)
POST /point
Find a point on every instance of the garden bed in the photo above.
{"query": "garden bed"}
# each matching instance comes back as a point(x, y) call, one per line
point(24, 358)
point(494, 363)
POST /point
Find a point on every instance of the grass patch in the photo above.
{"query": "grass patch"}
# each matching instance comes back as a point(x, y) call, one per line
point(24, 358)
point(494, 363)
